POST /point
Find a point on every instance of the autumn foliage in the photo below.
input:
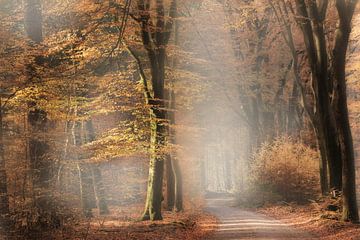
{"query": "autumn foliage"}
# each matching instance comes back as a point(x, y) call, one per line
point(285, 169)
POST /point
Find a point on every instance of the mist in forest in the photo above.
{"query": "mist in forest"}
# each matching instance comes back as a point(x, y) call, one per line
point(221, 139)
point(159, 119)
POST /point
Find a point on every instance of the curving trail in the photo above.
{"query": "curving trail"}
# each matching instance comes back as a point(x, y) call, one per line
point(240, 224)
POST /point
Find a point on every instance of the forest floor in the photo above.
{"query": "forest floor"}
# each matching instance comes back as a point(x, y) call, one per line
point(123, 224)
point(236, 223)
point(312, 218)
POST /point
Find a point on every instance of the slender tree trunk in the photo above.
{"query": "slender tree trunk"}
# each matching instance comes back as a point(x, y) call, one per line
point(156, 168)
point(41, 165)
point(293, 123)
point(176, 170)
point(350, 208)
point(86, 189)
point(178, 185)
point(254, 134)
point(99, 188)
point(41, 168)
point(170, 183)
point(85, 175)
point(175, 179)
point(100, 192)
point(323, 166)
point(4, 197)
point(333, 153)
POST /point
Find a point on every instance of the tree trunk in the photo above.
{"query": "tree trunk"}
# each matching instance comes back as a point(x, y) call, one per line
point(100, 193)
point(178, 185)
point(99, 189)
point(41, 165)
point(85, 175)
point(41, 168)
point(86, 189)
point(350, 208)
point(293, 123)
point(157, 142)
point(311, 23)
point(323, 106)
point(155, 44)
point(156, 168)
point(4, 197)
point(323, 166)
point(170, 184)
point(174, 201)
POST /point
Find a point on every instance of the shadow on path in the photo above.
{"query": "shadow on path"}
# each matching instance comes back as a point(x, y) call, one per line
point(236, 223)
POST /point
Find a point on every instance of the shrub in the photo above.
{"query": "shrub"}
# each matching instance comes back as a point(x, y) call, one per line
point(285, 169)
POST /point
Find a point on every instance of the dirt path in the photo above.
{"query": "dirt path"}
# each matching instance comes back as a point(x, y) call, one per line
point(239, 224)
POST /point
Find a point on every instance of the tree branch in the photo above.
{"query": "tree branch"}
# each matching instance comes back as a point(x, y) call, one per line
point(143, 79)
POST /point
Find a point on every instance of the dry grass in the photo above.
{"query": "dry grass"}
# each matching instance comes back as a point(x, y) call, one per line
point(285, 169)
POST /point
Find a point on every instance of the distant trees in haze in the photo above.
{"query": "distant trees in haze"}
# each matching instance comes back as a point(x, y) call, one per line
point(89, 83)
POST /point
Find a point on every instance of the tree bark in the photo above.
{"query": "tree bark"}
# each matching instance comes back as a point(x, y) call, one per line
point(350, 208)
point(323, 166)
point(175, 201)
point(155, 44)
point(176, 188)
point(99, 188)
point(170, 184)
point(86, 189)
point(156, 168)
point(323, 118)
point(100, 193)
point(4, 197)
point(87, 196)
point(282, 14)
point(41, 165)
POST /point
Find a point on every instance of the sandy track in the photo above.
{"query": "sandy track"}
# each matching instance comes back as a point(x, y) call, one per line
point(240, 224)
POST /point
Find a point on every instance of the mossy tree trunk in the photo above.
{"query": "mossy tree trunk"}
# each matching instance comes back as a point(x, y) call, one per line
point(155, 42)
point(156, 170)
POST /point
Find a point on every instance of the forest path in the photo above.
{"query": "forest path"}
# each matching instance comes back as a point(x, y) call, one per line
point(236, 223)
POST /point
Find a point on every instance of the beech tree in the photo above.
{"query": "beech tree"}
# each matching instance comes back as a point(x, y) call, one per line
point(155, 42)
point(331, 111)
point(283, 18)
point(41, 165)
point(345, 11)
point(105, 105)
point(173, 171)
